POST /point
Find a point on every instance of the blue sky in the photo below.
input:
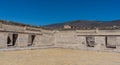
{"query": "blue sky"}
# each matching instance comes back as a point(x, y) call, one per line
point(43, 12)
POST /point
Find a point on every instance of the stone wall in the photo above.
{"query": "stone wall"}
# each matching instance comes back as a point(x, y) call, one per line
point(24, 36)
point(44, 40)
point(103, 40)
point(66, 39)
point(12, 28)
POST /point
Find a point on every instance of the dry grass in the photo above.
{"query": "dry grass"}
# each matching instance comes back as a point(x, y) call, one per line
point(57, 56)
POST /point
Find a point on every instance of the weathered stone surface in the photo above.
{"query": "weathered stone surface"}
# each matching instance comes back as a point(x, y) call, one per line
point(3, 40)
point(103, 40)
point(66, 39)
point(100, 43)
point(44, 40)
point(22, 40)
point(82, 42)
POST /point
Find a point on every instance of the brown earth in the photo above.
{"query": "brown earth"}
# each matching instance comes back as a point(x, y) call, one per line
point(57, 56)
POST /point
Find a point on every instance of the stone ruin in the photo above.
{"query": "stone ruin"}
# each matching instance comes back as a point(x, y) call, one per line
point(21, 36)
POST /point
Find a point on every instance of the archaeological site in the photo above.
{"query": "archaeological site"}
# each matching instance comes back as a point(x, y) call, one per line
point(17, 35)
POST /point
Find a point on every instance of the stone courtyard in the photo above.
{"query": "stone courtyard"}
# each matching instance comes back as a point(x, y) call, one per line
point(35, 45)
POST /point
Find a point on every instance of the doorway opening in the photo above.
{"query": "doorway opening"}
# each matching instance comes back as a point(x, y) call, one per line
point(110, 42)
point(90, 41)
point(31, 39)
point(11, 39)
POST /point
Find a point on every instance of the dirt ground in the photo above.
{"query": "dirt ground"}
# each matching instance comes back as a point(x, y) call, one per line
point(57, 56)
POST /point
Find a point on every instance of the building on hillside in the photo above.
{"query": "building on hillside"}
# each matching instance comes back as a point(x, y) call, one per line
point(68, 27)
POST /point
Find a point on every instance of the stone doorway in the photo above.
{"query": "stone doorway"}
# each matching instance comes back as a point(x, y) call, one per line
point(31, 39)
point(90, 41)
point(110, 41)
point(11, 39)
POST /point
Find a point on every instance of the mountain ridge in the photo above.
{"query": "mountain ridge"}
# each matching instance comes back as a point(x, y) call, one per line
point(87, 24)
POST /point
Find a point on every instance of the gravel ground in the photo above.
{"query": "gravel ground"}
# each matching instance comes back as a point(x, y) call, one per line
point(58, 56)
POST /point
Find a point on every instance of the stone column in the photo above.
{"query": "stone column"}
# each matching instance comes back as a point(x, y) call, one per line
point(37, 41)
point(100, 43)
point(82, 42)
point(22, 40)
point(118, 45)
point(3, 40)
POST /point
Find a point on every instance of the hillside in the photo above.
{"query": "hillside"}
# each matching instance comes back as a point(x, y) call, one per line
point(84, 24)
point(78, 24)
